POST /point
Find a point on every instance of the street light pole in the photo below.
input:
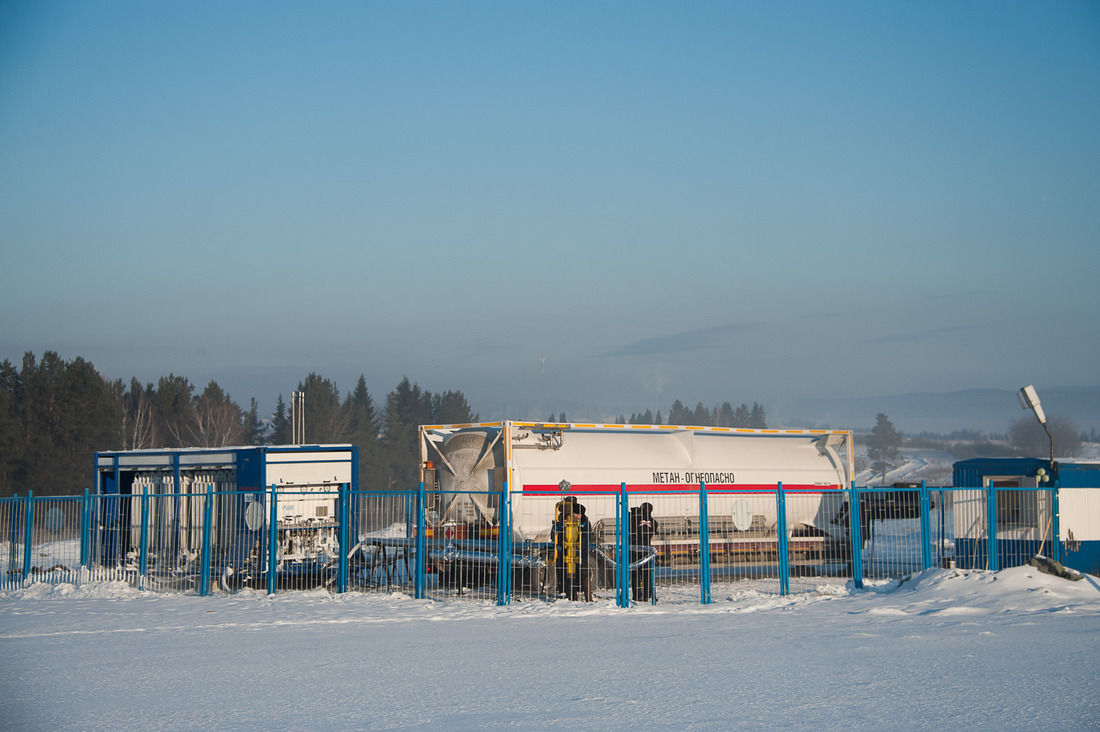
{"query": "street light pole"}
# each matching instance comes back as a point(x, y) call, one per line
point(1030, 400)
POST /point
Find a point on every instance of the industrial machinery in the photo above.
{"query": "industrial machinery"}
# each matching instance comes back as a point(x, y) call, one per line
point(470, 469)
point(158, 511)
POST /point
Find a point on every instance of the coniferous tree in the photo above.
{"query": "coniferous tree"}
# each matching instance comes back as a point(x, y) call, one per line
point(175, 414)
point(11, 442)
point(679, 414)
point(884, 446)
point(451, 408)
point(280, 424)
point(253, 427)
point(742, 417)
point(363, 432)
point(757, 419)
point(406, 409)
point(325, 419)
point(68, 411)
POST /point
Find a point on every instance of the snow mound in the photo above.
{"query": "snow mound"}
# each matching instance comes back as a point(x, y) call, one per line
point(1019, 590)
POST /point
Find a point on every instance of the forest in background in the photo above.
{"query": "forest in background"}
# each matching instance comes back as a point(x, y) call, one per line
point(56, 414)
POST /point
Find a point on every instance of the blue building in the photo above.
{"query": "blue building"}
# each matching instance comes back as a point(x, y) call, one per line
point(1026, 521)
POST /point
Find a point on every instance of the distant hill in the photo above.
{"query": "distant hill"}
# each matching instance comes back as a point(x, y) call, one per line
point(988, 410)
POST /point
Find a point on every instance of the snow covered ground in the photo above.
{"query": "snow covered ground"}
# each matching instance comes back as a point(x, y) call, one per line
point(947, 649)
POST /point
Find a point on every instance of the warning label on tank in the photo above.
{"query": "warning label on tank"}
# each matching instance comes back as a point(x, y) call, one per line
point(709, 477)
point(692, 477)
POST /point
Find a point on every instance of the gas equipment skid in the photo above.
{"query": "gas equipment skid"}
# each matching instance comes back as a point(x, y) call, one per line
point(240, 516)
point(731, 484)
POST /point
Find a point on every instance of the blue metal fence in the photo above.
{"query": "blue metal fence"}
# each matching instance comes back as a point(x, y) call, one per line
point(275, 540)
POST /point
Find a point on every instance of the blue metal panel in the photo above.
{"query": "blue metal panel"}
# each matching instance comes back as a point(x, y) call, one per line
point(1078, 475)
point(971, 473)
point(1084, 558)
point(250, 469)
point(1070, 473)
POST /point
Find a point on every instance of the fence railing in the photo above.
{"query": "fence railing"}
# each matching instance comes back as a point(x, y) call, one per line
point(506, 546)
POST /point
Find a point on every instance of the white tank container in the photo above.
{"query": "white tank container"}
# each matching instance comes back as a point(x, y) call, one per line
point(539, 463)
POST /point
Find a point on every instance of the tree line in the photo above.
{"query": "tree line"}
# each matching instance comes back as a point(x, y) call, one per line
point(55, 414)
point(724, 415)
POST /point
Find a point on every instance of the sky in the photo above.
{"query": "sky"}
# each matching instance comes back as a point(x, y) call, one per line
point(599, 207)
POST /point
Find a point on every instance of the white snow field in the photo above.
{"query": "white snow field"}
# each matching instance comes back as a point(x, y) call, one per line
point(946, 649)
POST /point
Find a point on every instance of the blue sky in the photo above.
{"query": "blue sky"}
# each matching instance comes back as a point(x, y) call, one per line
point(598, 207)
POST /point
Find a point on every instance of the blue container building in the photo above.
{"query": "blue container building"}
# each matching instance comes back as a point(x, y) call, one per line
point(1034, 501)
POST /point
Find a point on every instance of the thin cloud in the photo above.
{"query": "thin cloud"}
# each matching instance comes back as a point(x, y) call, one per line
point(923, 335)
point(692, 340)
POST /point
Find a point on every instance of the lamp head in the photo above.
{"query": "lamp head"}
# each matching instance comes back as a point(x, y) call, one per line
point(1030, 400)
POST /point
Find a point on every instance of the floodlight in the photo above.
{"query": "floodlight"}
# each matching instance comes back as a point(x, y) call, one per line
point(1030, 400)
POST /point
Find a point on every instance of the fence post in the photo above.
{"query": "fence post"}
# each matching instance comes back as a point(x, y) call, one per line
point(622, 549)
point(28, 518)
point(704, 546)
point(943, 534)
point(925, 526)
point(1055, 546)
point(856, 533)
point(207, 519)
point(408, 515)
point(342, 566)
point(13, 532)
point(783, 552)
point(504, 547)
point(272, 541)
point(143, 557)
point(421, 543)
point(508, 538)
point(991, 510)
point(85, 525)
